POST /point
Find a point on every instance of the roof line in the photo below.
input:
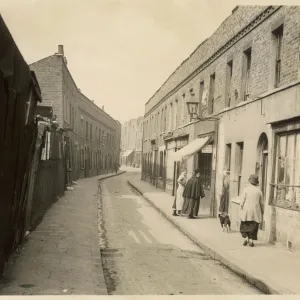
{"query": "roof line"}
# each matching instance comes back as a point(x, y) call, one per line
point(201, 44)
point(62, 57)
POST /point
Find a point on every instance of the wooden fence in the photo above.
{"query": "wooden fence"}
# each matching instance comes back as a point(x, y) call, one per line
point(48, 179)
point(19, 93)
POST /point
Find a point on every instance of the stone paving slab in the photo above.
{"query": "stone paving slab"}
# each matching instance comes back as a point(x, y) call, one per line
point(62, 256)
point(269, 268)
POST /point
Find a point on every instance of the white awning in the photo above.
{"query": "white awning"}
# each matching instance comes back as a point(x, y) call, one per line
point(190, 149)
point(127, 153)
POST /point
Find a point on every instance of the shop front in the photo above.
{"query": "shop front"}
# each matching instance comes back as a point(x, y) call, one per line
point(198, 154)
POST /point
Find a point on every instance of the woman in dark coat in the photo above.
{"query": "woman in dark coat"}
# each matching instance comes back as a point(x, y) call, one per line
point(192, 193)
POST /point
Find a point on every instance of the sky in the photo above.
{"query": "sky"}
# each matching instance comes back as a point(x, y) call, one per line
point(119, 52)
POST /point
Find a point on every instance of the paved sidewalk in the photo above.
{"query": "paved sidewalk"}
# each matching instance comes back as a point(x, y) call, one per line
point(272, 270)
point(62, 256)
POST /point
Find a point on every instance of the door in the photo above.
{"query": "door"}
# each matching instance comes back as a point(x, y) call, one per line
point(86, 163)
point(264, 181)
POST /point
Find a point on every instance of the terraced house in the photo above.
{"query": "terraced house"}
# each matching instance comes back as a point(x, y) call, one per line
point(234, 105)
point(92, 137)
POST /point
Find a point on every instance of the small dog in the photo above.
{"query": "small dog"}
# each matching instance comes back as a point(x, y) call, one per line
point(225, 221)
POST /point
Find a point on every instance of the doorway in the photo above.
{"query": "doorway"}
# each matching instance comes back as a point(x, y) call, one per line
point(262, 168)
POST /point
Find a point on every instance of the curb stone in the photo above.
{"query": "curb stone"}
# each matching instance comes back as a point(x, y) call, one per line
point(263, 284)
point(99, 217)
point(111, 175)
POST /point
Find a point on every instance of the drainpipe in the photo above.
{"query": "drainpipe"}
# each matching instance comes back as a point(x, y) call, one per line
point(142, 168)
point(216, 143)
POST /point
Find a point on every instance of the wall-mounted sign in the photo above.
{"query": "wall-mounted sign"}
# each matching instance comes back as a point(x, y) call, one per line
point(207, 149)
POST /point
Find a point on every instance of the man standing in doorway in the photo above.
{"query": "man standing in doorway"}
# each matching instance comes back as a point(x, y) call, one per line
point(192, 194)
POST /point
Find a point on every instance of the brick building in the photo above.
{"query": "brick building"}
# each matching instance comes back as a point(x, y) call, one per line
point(92, 136)
point(244, 83)
point(131, 142)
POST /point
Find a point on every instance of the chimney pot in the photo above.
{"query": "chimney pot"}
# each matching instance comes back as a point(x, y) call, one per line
point(61, 50)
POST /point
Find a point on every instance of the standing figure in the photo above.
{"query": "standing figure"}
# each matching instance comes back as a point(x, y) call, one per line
point(178, 202)
point(197, 204)
point(192, 193)
point(251, 212)
point(117, 165)
point(224, 200)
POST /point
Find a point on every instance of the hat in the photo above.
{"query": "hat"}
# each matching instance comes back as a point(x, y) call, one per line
point(197, 171)
point(253, 179)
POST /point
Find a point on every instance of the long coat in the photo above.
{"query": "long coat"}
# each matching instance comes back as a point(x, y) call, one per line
point(193, 188)
point(251, 204)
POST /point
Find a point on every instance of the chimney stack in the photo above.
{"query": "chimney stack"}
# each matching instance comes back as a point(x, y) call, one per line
point(61, 50)
point(103, 107)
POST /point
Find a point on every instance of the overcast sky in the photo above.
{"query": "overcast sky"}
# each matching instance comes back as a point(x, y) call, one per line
point(119, 51)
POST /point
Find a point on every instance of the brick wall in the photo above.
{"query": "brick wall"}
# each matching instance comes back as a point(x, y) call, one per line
point(228, 29)
point(262, 65)
point(73, 110)
point(49, 75)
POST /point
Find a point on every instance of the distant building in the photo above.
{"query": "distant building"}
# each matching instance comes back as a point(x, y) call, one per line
point(92, 136)
point(131, 142)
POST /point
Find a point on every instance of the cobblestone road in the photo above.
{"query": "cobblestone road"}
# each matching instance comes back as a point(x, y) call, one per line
point(144, 254)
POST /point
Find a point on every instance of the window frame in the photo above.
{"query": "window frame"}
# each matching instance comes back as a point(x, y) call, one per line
point(278, 39)
point(279, 130)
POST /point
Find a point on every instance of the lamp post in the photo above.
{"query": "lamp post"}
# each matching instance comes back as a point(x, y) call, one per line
point(192, 107)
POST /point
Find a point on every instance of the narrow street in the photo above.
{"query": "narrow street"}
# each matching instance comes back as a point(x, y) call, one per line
point(142, 253)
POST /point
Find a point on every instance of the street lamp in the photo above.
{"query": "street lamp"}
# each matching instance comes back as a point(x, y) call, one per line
point(192, 107)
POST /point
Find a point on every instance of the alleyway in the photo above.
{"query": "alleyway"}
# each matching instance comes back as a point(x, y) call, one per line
point(144, 254)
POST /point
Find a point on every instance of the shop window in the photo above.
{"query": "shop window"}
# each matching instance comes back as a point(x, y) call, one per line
point(286, 189)
point(205, 165)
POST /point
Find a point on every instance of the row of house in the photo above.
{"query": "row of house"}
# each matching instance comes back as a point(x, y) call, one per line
point(93, 136)
point(131, 143)
point(234, 105)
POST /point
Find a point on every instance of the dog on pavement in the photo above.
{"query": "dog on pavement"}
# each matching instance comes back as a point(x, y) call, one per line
point(225, 221)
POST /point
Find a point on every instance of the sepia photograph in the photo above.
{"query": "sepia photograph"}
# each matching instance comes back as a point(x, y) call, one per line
point(149, 147)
